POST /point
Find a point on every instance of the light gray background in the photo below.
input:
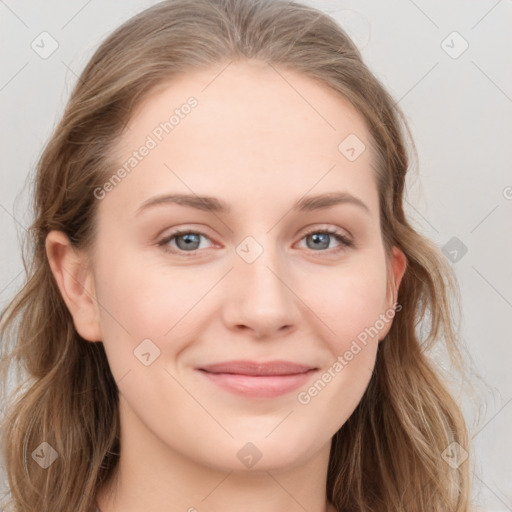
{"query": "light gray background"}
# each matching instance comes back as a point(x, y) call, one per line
point(459, 110)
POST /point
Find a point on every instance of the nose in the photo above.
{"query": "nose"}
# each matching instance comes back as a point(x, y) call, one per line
point(260, 298)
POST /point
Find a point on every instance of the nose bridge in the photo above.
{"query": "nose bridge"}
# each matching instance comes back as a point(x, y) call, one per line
point(261, 297)
point(259, 264)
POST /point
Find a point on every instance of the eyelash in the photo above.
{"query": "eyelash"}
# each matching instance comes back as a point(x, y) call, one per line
point(344, 241)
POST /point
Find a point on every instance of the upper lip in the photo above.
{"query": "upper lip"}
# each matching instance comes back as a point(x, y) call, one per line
point(257, 368)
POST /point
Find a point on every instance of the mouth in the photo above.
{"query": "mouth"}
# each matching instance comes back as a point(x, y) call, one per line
point(256, 379)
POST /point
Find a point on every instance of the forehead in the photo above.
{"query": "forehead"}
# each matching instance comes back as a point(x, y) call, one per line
point(254, 129)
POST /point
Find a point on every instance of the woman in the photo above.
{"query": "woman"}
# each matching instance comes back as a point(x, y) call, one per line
point(277, 364)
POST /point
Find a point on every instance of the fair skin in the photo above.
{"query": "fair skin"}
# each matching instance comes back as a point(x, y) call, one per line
point(256, 144)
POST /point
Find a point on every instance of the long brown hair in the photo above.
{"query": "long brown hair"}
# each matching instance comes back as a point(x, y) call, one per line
point(388, 455)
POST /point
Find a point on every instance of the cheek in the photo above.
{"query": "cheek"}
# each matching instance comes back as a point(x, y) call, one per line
point(136, 303)
point(350, 300)
point(140, 301)
point(351, 307)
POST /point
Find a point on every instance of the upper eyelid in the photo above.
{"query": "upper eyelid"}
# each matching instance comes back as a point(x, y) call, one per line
point(305, 230)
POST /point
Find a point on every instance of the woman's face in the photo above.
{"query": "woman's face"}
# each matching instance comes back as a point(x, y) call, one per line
point(258, 281)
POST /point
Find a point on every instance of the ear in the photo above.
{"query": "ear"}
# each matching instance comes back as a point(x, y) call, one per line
point(396, 270)
point(397, 266)
point(76, 284)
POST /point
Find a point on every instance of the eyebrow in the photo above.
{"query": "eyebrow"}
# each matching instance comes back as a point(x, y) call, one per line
point(212, 204)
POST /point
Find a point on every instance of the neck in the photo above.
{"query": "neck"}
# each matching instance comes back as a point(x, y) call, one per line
point(153, 477)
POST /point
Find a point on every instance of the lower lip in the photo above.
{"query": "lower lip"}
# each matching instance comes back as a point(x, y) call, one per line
point(259, 387)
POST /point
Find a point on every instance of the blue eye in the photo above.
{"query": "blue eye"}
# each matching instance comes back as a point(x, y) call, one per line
point(321, 238)
point(189, 241)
